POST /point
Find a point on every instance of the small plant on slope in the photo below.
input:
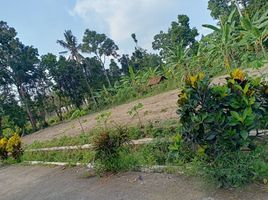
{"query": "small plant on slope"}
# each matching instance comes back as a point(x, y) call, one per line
point(134, 112)
point(77, 115)
point(103, 119)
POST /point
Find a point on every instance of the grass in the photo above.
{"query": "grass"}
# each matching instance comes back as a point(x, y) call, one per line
point(157, 129)
point(62, 141)
point(129, 157)
point(70, 156)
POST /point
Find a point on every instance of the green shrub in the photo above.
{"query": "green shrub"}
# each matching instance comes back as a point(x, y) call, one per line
point(233, 169)
point(107, 146)
point(124, 160)
point(179, 152)
point(14, 147)
point(217, 124)
point(11, 147)
point(219, 118)
point(3, 151)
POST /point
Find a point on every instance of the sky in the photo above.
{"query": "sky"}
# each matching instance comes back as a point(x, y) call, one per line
point(42, 22)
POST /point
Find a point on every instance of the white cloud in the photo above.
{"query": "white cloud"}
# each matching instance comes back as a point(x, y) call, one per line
point(119, 18)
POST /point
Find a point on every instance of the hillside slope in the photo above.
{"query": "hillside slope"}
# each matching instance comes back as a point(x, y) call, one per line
point(159, 107)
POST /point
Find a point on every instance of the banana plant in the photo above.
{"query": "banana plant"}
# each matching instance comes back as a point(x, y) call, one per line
point(255, 31)
point(170, 72)
point(223, 45)
point(178, 56)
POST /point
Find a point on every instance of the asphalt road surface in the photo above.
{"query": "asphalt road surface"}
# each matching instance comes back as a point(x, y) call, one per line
point(58, 183)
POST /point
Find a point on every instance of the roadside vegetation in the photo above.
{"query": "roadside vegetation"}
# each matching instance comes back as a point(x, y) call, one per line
point(220, 134)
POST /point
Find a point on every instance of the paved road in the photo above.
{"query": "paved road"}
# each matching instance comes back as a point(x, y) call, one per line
point(57, 183)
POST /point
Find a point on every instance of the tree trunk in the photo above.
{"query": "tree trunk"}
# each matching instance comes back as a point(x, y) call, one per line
point(88, 85)
point(1, 133)
point(105, 72)
point(107, 78)
point(59, 114)
point(81, 125)
point(25, 102)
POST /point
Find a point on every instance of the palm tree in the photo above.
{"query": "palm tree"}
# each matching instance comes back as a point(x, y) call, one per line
point(70, 43)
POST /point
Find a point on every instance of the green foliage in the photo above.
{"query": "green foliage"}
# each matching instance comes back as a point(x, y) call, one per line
point(233, 169)
point(220, 9)
point(107, 145)
point(78, 113)
point(217, 124)
point(179, 152)
point(84, 138)
point(3, 150)
point(237, 42)
point(224, 45)
point(33, 91)
point(179, 33)
point(12, 147)
point(70, 156)
point(103, 119)
point(220, 117)
point(134, 112)
point(255, 31)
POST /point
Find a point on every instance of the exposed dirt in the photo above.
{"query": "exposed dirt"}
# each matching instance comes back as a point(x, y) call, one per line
point(58, 183)
point(158, 107)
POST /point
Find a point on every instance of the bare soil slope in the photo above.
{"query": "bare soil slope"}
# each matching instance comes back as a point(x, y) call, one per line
point(158, 107)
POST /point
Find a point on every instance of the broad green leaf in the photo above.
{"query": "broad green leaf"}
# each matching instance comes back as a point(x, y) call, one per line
point(244, 134)
point(211, 27)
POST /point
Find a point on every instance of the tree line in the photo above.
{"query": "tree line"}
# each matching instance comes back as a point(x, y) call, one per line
point(33, 87)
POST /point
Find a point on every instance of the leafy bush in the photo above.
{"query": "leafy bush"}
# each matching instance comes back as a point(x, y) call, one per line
point(14, 146)
point(219, 122)
point(3, 151)
point(11, 146)
point(179, 152)
point(219, 118)
point(107, 146)
point(233, 169)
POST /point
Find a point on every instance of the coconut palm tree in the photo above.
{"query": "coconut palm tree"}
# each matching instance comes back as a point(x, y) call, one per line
point(70, 43)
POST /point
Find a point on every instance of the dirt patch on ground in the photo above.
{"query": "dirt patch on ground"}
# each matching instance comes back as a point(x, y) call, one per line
point(50, 183)
point(157, 108)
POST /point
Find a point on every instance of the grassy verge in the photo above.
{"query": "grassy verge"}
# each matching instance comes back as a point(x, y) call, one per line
point(71, 156)
point(158, 129)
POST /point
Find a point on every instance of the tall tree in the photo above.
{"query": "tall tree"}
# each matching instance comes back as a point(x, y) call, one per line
point(221, 9)
point(115, 71)
point(18, 66)
point(70, 43)
point(124, 61)
point(180, 32)
point(101, 46)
